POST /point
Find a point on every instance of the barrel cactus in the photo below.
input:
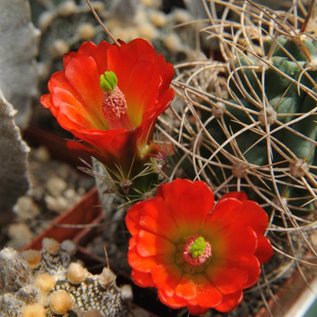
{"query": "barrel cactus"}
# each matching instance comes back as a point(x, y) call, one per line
point(256, 111)
point(276, 99)
point(247, 119)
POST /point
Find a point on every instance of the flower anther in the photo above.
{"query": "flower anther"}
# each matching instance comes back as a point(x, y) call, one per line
point(114, 104)
point(197, 250)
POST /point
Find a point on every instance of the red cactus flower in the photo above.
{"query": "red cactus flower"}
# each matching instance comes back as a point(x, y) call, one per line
point(110, 96)
point(198, 254)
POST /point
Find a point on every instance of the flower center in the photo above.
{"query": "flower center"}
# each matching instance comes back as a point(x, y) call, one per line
point(196, 250)
point(114, 105)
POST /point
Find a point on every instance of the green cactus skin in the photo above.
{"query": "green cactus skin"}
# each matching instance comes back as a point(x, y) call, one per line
point(251, 120)
point(285, 100)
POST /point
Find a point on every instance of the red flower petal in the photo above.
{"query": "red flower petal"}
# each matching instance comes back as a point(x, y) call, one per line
point(132, 217)
point(229, 279)
point(188, 202)
point(254, 216)
point(155, 217)
point(142, 279)
point(229, 302)
point(98, 52)
point(141, 87)
point(144, 264)
point(242, 213)
point(149, 244)
point(143, 90)
point(123, 59)
point(72, 109)
point(186, 288)
point(166, 277)
point(167, 72)
point(149, 116)
point(171, 301)
point(237, 195)
point(82, 74)
point(264, 250)
point(242, 241)
point(224, 212)
point(135, 260)
point(207, 294)
point(251, 265)
point(112, 142)
point(197, 310)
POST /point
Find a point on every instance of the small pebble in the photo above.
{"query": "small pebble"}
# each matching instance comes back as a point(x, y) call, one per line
point(98, 5)
point(51, 246)
point(58, 48)
point(42, 154)
point(57, 204)
point(56, 186)
point(45, 20)
point(81, 191)
point(158, 18)
point(86, 31)
point(70, 194)
point(20, 234)
point(181, 16)
point(172, 42)
point(125, 35)
point(126, 292)
point(69, 246)
point(64, 171)
point(67, 8)
point(25, 208)
point(147, 31)
point(151, 3)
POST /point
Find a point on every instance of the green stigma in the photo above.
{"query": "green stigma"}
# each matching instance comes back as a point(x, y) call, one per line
point(198, 247)
point(108, 81)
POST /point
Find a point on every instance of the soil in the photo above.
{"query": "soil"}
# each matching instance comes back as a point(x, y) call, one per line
point(55, 187)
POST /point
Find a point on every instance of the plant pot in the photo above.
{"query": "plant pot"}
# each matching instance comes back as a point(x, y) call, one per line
point(74, 224)
point(56, 145)
point(295, 296)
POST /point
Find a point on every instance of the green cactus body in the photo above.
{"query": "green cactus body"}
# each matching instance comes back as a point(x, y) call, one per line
point(286, 101)
point(274, 94)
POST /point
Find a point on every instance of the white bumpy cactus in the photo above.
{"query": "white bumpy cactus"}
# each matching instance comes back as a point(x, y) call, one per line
point(47, 283)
